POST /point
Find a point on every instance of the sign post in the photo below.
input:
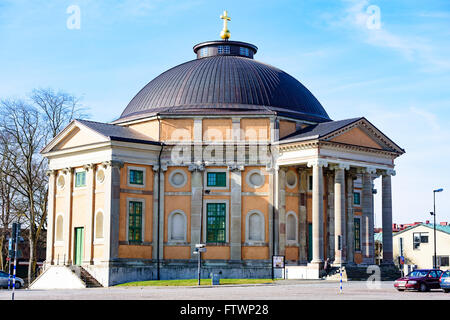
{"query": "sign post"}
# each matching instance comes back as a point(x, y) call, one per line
point(16, 232)
point(199, 248)
point(278, 263)
point(340, 266)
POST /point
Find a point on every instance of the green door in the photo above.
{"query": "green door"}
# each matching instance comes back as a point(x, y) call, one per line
point(79, 240)
point(310, 246)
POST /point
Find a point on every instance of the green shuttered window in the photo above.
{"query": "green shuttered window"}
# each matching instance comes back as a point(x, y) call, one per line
point(135, 222)
point(80, 179)
point(216, 222)
point(137, 177)
point(217, 179)
point(357, 224)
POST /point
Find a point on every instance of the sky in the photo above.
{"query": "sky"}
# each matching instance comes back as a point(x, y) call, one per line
point(388, 61)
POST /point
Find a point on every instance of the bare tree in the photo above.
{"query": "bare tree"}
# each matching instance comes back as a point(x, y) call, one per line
point(58, 108)
point(23, 137)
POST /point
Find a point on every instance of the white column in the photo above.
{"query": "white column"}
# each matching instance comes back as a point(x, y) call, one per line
point(112, 209)
point(196, 205)
point(386, 204)
point(317, 210)
point(281, 206)
point(350, 219)
point(90, 183)
point(339, 213)
point(67, 222)
point(302, 248)
point(235, 212)
point(330, 214)
point(368, 249)
point(51, 216)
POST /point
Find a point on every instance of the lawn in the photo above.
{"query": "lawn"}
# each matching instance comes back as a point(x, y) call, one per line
point(193, 282)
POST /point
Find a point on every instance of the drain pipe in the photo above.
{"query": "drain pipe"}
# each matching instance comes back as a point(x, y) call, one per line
point(159, 199)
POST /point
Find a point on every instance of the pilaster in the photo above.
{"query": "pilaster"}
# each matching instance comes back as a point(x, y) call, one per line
point(51, 216)
point(235, 211)
point(196, 204)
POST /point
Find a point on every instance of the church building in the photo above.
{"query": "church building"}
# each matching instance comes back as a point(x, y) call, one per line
point(225, 151)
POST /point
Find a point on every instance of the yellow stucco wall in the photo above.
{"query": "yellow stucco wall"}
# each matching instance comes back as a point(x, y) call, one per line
point(255, 129)
point(255, 253)
point(358, 137)
point(149, 128)
point(216, 129)
point(286, 127)
point(77, 138)
point(177, 129)
point(177, 252)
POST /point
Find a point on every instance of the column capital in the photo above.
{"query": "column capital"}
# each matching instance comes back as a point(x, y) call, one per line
point(196, 167)
point(112, 163)
point(339, 166)
point(88, 166)
point(163, 167)
point(48, 173)
point(388, 172)
point(369, 170)
point(235, 167)
point(317, 162)
point(67, 170)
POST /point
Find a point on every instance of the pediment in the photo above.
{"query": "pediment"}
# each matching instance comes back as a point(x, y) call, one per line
point(74, 135)
point(364, 134)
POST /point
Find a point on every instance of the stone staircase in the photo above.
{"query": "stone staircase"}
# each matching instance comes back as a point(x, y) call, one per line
point(85, 276)
point(359, 273)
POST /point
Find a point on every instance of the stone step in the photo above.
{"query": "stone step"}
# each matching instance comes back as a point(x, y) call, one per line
point(86, 277)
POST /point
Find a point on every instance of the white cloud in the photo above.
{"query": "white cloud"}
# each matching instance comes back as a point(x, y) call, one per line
point(431, 56)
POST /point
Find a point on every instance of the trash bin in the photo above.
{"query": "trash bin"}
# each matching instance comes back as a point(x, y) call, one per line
point(215, 279)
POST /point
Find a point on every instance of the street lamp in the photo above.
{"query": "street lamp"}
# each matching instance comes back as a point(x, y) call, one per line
point(434, 224)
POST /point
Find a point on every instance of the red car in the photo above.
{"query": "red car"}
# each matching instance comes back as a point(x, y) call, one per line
point(422, 280)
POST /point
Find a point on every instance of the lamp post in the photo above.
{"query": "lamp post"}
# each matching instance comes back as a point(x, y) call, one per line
point(434, 224)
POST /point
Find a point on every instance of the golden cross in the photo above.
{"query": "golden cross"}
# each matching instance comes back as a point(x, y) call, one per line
point(225, 34)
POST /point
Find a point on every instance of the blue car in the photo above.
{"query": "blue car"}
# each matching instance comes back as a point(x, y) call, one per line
point(444, 281)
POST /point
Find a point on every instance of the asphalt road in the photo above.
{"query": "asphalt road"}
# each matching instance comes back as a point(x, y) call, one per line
point(284, 290)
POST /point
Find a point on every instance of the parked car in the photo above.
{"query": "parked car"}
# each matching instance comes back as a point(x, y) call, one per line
point(444, 281)
point(422, 280)
point(4, 280)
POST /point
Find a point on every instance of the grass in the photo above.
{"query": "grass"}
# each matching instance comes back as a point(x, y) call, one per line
point(193, 282)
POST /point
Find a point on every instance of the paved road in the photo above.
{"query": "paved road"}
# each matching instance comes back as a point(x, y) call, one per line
point(286, 290)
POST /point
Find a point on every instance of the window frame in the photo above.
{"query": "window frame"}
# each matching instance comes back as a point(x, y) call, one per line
point(227, 179)
point(76, 173)
point(355, 239)
point(144, 176)
point(354, 198)
point(142, 201)
point(205, 221)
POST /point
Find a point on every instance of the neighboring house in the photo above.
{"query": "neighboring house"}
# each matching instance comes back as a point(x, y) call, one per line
point(416, 245)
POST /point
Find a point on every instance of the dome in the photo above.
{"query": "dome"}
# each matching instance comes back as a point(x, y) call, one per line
point(225, 81)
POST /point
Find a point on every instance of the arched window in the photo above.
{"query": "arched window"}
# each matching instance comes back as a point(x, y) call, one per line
point(177, 226)
point(59, 228)
point(255, 226)
point(291, 227)
point(99, 225)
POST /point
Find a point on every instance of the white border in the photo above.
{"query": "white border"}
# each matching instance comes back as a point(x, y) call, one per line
point(205, 179)
point(78, 170)
point(227, 220)
point(360, 235)
point(169, 227)
point(99, 240)
point(250, 173)
point(296, 179)
point(184, 175)
point(295, 241)
point(143, 219)
point(61, 241)
point(247, 228)
point(144, 176)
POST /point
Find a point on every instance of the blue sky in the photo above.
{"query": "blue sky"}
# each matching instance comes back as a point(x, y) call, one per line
point(397, 76)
